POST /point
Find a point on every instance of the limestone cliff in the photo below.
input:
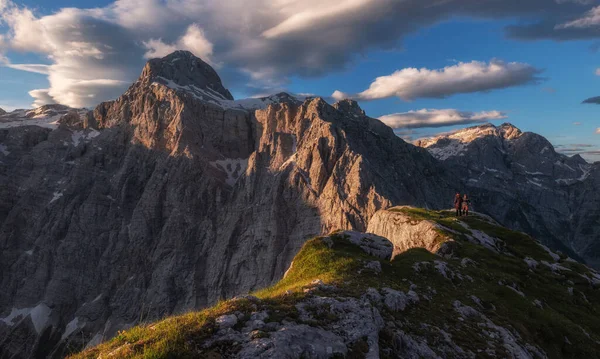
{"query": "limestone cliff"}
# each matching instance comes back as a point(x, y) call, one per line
point(174, 196)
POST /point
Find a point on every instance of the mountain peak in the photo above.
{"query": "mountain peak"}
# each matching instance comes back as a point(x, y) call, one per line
point(182, 68)
point(2, 112)
point(509, 131)
point(349, 106)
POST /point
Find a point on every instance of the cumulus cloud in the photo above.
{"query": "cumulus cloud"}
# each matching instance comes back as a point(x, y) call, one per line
point(411, 83)
point(597, 72)
point(438, 118)
point(261, 43)
point(42, 97)
point(193, 40)
point(592, 100)
point(598, 131)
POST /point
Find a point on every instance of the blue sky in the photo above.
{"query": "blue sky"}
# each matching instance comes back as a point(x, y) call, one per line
point(353, 51)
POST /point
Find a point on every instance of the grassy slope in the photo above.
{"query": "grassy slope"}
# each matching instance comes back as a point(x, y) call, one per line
point(564, 318)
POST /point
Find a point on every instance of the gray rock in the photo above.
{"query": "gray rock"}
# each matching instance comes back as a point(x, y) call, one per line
point(370, 243)
point(226, 321)
point(406, 233)
point(295, 341)
point(375, 266)
point(395, 300)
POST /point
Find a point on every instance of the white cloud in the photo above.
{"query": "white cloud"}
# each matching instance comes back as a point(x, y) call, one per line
point(36, 68)
point(261, 43)
point(598, 131)
point(193, 40)
point(411, 83)
point(590, 19)
point(598, 71)
point(41, 97)
point(439, 118)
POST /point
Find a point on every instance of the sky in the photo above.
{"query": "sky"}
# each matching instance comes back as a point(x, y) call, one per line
point(421, 66)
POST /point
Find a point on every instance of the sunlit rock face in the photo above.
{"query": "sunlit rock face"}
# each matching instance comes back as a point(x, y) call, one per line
point(174, 196)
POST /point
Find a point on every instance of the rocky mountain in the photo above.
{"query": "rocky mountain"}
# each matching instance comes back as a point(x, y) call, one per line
point(47, 116)
point(485, 292)
point(174, 196)
point(519, 179)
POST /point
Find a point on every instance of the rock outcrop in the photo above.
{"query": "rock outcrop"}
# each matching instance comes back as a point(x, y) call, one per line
point(519, 179)
point(405, 232)
point(526, 302)
point(175, 196)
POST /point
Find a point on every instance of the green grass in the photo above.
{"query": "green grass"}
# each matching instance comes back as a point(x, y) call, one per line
point(563, 315)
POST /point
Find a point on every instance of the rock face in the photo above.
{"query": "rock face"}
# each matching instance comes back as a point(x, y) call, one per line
point(47, 116)
point(405, 232)
point(175, 195)
point(520, 180)
point(524, 302)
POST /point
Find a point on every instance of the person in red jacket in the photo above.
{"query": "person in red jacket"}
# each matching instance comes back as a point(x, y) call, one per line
point(458, 202)
point(465, 205)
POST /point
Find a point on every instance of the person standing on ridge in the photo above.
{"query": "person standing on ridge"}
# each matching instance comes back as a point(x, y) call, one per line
point(458, 204)
point(465, 205)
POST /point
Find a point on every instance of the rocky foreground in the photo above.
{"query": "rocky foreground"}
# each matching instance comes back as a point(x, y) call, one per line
point(486, 292)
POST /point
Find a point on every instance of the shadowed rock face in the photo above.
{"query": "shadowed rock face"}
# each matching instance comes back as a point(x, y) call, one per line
point(520, 180)
point(165, 202)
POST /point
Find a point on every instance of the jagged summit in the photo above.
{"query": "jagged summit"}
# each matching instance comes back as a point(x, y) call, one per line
point(509, 131)
point(2, 112)
point(182, 68)
point(350, 106)
point(506, 131)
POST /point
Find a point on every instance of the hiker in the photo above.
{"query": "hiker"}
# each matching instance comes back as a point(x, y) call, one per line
point(465, 205)
point(458, 204)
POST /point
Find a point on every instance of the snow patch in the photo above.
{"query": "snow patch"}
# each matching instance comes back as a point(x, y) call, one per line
point(83, 136)
point(56, 196)
point(4, 150)
point(71, 327)
point(233, 167)
point(39, 316)
point(211, 96)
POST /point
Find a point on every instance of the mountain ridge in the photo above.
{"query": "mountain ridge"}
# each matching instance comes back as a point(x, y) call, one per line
point(171, 198)
point(485, 291)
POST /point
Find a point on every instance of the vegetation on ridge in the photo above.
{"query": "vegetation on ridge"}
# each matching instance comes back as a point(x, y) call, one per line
point(547, 301)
